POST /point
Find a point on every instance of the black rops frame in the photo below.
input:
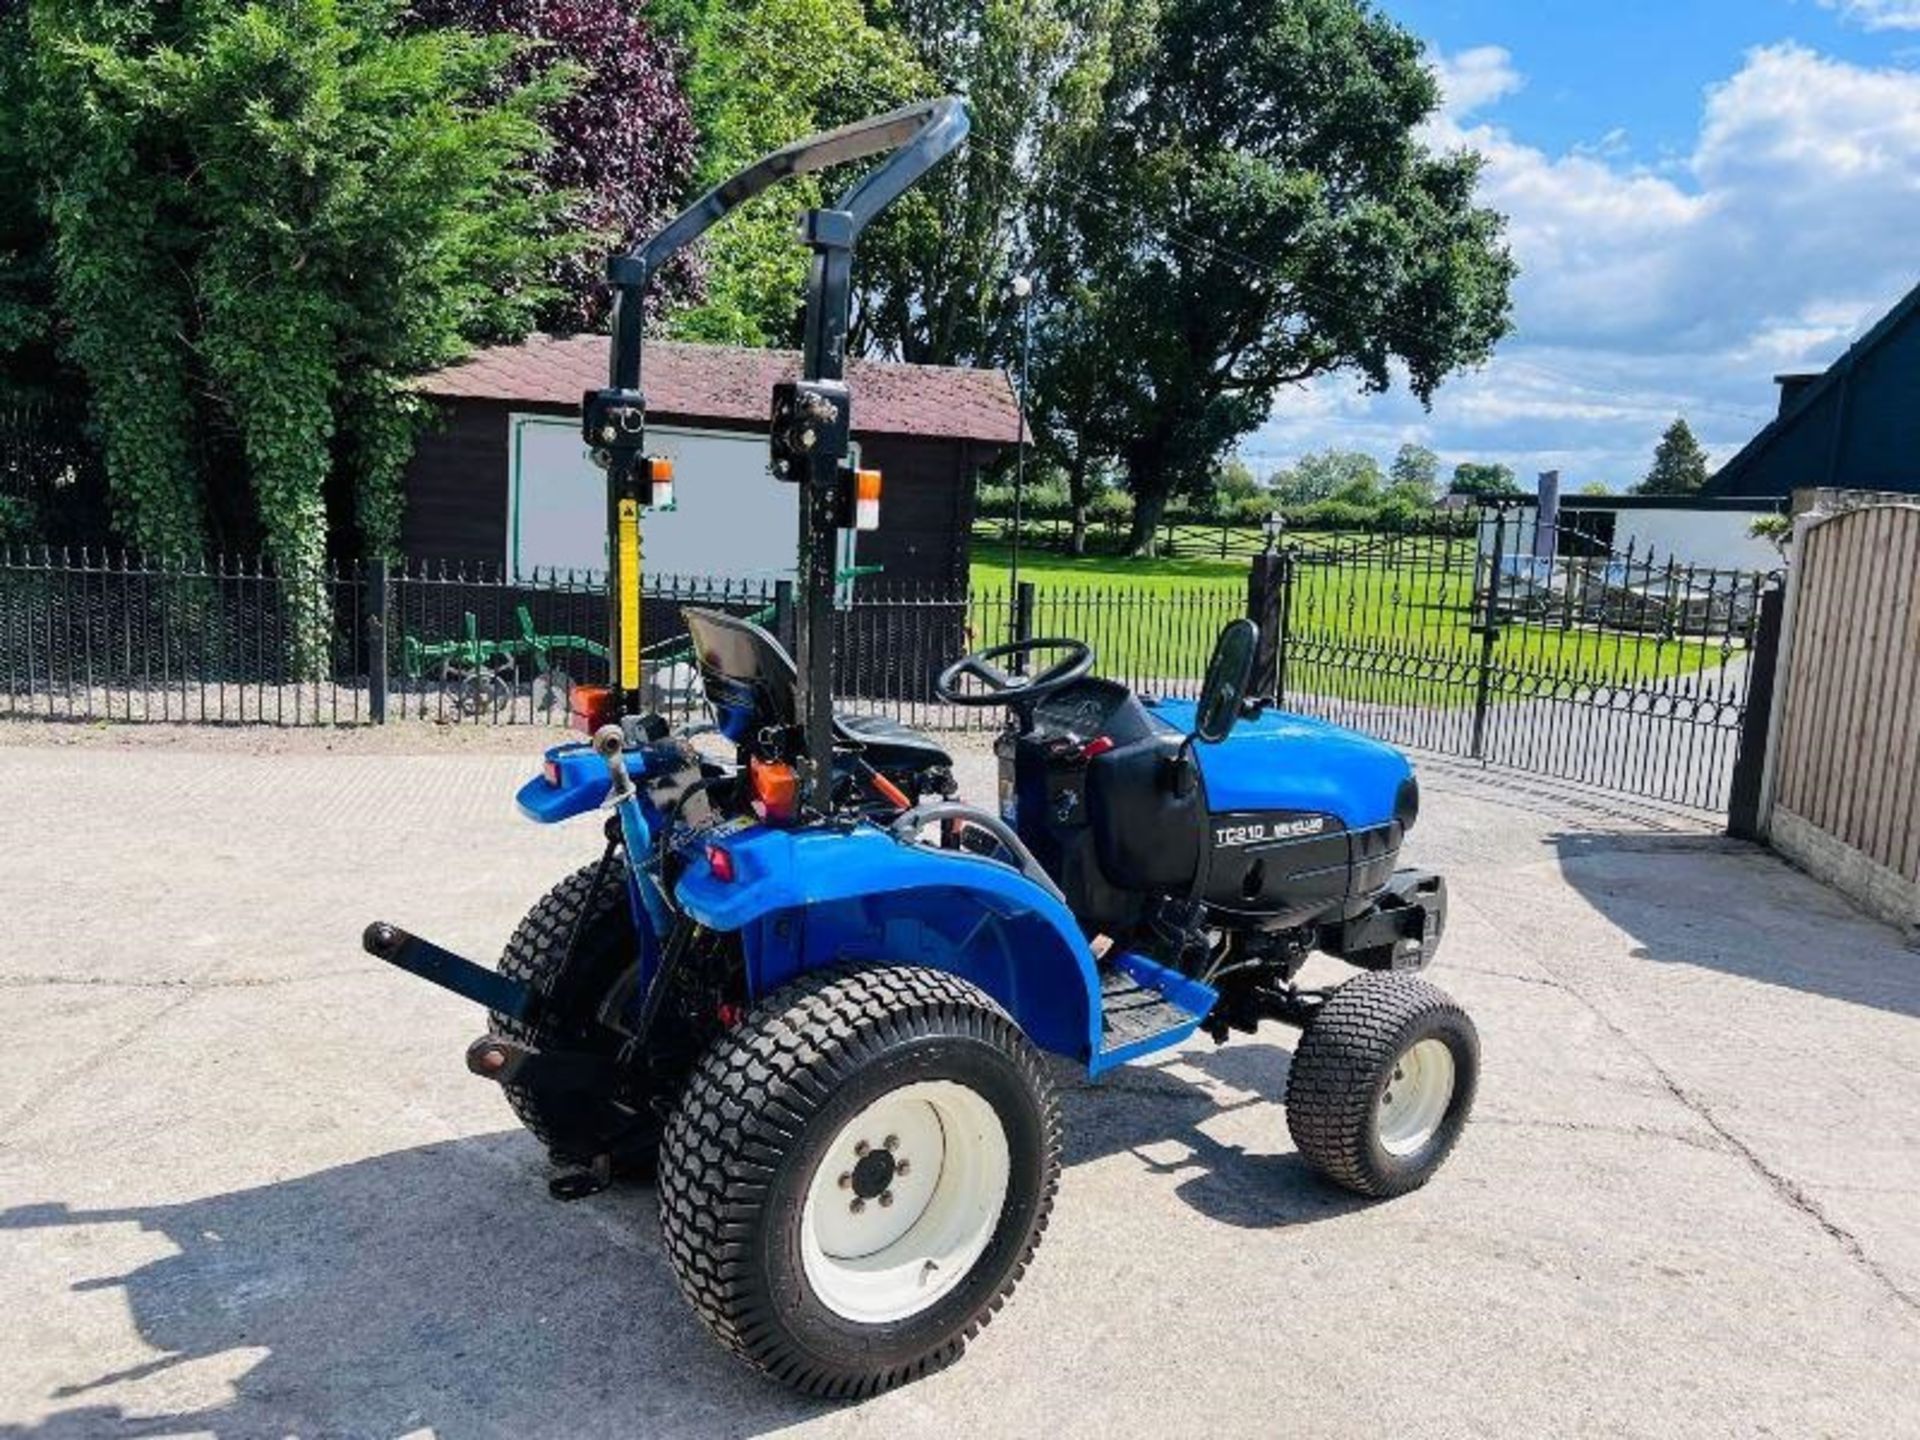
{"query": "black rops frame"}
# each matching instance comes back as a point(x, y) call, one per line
point(811, 419)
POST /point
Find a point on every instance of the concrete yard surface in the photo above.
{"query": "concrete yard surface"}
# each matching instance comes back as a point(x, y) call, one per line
point(247, 1188)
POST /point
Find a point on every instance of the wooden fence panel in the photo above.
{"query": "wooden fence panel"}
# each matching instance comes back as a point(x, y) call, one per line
point(1847, 768)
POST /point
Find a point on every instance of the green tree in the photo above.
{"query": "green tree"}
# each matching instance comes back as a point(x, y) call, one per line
point(1266, 213)
point(1679, 464)
point(26, 277)
point(762, 73)
point(932, 282)
point(1595, 487)
point(1080, 415)
point(1483, 482)
point(1235, 480)
point(1350, 475)
point(1415, 473)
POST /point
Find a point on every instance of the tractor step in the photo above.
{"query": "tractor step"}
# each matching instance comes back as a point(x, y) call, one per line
point(1146, 1007)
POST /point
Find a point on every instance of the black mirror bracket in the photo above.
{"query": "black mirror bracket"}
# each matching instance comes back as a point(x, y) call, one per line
point(1183, 772)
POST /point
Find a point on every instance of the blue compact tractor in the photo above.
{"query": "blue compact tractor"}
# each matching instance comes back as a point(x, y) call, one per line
point(816, 993)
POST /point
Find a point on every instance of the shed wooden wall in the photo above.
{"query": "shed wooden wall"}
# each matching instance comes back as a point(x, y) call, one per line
point(1846, 770)
point(456, 487)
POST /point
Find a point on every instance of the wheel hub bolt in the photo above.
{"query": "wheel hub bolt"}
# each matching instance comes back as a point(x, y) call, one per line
point(846, 1179)
point(892, 1142)
point(903, 1167)
point(886, 1198)
point(857, 1206)
point(861, 1147)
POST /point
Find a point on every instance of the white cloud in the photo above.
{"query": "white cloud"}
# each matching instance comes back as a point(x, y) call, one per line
point(1784, 231)
point(1879, 14)
point(1474, 79)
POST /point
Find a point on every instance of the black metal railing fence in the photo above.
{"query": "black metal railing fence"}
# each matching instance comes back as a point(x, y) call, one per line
point(1615, 669)
point(1532, 649)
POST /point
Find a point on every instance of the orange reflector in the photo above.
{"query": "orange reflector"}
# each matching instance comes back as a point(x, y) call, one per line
point(550, 772)
point(776, 791)
point(721, 863)
point(590, 707)
point(866, 499)
point(660, 475)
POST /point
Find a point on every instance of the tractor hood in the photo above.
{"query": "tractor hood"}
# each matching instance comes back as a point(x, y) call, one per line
point(1278, 761)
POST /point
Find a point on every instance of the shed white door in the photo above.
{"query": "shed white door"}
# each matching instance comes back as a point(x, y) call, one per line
point(731, 519)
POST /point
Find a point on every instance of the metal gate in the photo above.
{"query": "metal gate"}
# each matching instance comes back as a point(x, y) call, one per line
point(1528, 646)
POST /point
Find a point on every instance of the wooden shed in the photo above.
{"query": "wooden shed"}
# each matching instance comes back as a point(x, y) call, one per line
point(504, 480)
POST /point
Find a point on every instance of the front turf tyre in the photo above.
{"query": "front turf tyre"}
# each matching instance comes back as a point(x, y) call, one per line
point(1382, 1082)
point(858, 1175)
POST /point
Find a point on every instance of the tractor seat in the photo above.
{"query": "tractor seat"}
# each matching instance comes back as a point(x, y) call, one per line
point(749, 680)
point(891, 745)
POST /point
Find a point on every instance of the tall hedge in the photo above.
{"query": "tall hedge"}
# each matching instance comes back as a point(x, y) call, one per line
point(263, 218)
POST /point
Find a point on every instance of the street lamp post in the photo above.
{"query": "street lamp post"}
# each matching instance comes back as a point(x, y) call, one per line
point(1022, 288)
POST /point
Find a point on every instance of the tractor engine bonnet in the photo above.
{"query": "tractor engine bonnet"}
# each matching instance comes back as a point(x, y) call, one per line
point(1281, 762)
point(1293, 819)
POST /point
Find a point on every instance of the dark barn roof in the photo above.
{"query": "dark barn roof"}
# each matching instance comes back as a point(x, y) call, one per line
point(733, 386)
point(1855, 426)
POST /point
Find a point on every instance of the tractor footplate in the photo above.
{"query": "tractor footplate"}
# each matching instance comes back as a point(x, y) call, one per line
point(1144, 1006)
point(1131, 1011)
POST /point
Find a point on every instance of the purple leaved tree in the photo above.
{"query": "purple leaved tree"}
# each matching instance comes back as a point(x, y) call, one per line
point(624, 140)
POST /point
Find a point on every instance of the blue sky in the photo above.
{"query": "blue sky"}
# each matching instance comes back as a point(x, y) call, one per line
point(1701, 193)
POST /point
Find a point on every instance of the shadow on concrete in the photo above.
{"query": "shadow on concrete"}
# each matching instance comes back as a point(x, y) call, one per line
point(435, 1289)
point(1726, 905)
point(439, 1289)
point(1157, 1117)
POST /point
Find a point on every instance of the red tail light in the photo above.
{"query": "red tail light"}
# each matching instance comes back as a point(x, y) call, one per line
point(721, 863)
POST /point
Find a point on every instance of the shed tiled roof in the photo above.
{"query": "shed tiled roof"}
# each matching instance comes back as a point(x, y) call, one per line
point(723, 382)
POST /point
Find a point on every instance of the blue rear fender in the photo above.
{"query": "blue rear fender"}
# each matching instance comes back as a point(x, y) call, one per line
point(806, 899)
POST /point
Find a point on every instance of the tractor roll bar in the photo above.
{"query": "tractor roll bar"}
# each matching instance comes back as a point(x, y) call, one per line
point(921, 134)
point(811, 424)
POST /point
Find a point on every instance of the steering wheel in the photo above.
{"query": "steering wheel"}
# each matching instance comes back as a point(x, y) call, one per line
point(1005, 688)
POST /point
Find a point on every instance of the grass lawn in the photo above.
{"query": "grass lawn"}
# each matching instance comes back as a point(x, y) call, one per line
point(1394, 632)
point(1046, 568)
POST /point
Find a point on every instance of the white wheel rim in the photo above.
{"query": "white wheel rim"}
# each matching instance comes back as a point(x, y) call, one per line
point(1415, 1098)
point(887, 1230)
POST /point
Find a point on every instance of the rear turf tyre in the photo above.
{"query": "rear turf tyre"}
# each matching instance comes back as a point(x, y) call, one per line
point(837, 1262)
point(537, 955)
point(1381, 1084)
